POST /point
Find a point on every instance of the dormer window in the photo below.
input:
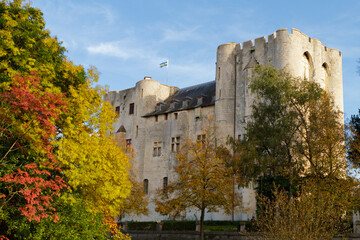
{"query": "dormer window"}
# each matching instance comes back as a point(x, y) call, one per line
point(159, 106)
point(185, 102)
point(200, 100)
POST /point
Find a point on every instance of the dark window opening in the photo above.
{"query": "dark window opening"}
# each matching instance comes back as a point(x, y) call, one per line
point(166, 116)
point(128, 145)
point(146, 186)
point(156, 118)
point(165, 183)
point(131, 108)
point(175, 115)
point(201, 138)
point(117, 111)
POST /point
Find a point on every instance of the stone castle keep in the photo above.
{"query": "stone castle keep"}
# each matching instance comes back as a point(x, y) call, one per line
point(154, 119)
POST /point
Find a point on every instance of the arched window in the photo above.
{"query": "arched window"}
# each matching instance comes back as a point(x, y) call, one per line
point(324, 75)
point(146, 186)
point(307, 65)
point(165, 183)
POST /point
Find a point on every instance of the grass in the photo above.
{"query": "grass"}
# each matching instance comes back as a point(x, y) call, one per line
point(219, 228)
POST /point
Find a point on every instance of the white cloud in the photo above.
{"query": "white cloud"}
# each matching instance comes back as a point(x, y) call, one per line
point(128, 52)
point(180, 35)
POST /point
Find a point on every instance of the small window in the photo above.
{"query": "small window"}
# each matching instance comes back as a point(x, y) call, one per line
point(159, 107)
point(185, 103)
point(201, 138)
point(142, 93)
point(131, 108)
point(197, 118)
point(157, 149)
point(165, 183)
point(146, 186)
point(166, 116)
point(128, 145)
point(175, 116)
point(156, 118)
point(200, 100)
point(117, 111)
point(172, 104)
point(137, 130)
point(175, 144)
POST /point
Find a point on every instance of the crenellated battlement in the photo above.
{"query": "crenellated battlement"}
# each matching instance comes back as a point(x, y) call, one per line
point(278, 37)
point(297, 53)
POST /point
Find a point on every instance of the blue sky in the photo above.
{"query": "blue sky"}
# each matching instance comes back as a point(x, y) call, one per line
point(127, 39)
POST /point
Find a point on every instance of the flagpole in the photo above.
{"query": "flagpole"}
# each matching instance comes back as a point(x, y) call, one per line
point(167, 72)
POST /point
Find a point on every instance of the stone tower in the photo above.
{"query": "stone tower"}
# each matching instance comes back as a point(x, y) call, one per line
point(295, 52)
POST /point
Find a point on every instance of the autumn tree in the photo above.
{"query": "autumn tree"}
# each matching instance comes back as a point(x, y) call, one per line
point(91, 161)
point(318, 212)
point(203, 181)
point(54, 118)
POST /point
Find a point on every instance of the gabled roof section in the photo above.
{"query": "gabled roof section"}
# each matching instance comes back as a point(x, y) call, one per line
point(205, 90)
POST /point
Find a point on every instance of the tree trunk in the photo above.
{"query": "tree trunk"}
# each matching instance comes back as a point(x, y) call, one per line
point(202, 224)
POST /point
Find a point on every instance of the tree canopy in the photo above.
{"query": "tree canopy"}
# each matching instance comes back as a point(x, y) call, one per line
point(55, 154)
point(294, 131)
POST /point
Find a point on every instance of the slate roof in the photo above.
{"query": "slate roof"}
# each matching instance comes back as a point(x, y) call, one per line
point(175, 102)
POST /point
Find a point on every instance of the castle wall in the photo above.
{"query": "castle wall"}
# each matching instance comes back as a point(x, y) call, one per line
point(295, 52)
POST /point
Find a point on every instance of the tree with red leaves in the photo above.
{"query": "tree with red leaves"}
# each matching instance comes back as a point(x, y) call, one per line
point(29, 177)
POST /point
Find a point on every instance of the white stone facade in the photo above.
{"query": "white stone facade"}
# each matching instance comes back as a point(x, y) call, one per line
point(155, 118)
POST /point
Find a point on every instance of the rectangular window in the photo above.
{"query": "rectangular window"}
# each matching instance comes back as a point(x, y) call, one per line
point(131, 108)
point(156, 118)
point(128, 145)
point(175, 144)
point(166, 116)
point(146, 186)
point(165, 183)
point(175, 115)
point(117, 111)
point(157, 149)
point(201, 138)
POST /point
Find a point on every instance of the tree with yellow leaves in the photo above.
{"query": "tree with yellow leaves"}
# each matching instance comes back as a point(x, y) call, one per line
point(203, 181)
point(60, 120)
point(91, 161)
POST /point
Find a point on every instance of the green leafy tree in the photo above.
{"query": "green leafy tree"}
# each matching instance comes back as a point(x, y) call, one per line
point(27, 46)
point(294, 131)
point(294, 147)
point(353, 143)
